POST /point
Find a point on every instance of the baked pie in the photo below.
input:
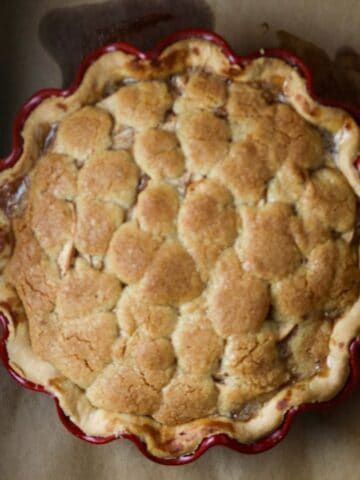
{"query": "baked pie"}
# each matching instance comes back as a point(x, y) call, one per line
point(179, 247)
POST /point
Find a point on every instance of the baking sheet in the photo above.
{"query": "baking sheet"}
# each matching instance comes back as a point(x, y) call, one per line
point(41, 43)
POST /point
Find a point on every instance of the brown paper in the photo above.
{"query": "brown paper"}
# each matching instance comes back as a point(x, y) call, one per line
point(40, 47)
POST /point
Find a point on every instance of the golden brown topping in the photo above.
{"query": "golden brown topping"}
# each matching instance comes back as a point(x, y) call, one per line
point(245, 171)
point(196, 344)
point(154, 357)
point(35, 277)
point(236, 313)
point(267, 248)
point(80, 348)
point(84, 132)
point(154, 320)
point(207, 223)
point(110, 176)
point(308, 233)
point(172, 277)
point(123, 388)
point(288, 185)
point(253, 365)
point(305, 146)
point(308, 347)
point(122, 137)
point(186, 397)
point(84, 291)
point(329, 200)
point(56, 175)
point(304, 292)
point(204, 140)
point(157, 209)
point(252, 357)
point(321, 267)
point(139, 105)
point(96, 224)
point(202, 91)
point(345, 283)
point(293, 297)
point(53, 222)
point(245, 101)
point(158, 153)
point(329, 281)
point(130, 252)
point(287, 137)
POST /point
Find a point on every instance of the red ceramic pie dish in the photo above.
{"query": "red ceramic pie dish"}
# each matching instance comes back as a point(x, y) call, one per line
point(220, 439)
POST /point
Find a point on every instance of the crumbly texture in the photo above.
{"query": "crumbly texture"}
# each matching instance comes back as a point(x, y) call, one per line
point(184, 247)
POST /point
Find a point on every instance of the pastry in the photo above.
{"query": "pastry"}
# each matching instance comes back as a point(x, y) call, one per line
point(179, 247)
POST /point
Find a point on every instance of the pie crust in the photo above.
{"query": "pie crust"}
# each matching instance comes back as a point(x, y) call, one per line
point(179, 247)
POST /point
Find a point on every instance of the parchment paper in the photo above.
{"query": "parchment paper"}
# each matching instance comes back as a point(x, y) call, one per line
point(39, 47)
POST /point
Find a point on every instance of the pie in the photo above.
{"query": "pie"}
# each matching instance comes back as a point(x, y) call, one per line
point(179, 247)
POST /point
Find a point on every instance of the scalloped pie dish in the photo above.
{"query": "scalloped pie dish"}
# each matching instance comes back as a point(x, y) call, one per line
point(179, 247)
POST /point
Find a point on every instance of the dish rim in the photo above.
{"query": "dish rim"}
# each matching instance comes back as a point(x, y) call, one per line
point(270, 440)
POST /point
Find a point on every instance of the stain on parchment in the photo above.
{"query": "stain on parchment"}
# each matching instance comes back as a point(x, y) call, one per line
point(69, 34)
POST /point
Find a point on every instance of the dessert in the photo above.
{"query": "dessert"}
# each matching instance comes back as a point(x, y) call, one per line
point(180, 247)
